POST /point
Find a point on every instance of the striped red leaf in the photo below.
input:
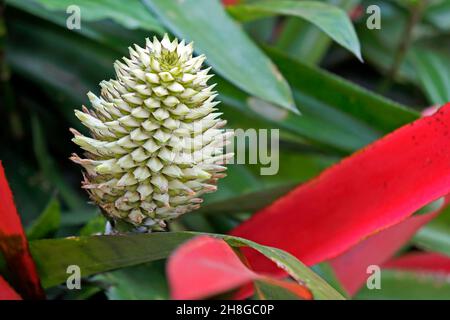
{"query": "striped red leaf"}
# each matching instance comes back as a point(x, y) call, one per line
point(371, 190)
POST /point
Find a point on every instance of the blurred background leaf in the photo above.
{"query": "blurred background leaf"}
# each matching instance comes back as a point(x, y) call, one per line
point(130, 14)
point(48, 222)
point(304, 41)
point(330, 19)
point(433, 72)
point(407, 285)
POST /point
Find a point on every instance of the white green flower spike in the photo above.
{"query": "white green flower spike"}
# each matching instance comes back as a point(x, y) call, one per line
point(157, 143)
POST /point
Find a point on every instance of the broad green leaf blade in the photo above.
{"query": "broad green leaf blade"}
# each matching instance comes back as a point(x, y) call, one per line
point(229, 50)
point(305, 42)
point(331, 19)
point(433, 71)
point(97, 254)
point(131, 14)
point(406, 285)
point(47, 223)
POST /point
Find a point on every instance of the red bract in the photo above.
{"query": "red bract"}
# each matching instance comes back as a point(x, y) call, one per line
point(6, 292)
point(14, 245)
point(371, 190)
point(205, 266)
point(421, 262)
point(351, 267)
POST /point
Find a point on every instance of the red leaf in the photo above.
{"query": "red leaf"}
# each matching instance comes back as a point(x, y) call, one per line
point(372, 190)
point(351, 267)
point(14, 245)
point(205, 266)
point(6, 292)
point(422, 262)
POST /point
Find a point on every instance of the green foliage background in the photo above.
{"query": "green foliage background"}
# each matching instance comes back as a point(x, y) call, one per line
point(47, 69)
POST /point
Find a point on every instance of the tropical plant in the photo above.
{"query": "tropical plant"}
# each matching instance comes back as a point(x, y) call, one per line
point(359, 196)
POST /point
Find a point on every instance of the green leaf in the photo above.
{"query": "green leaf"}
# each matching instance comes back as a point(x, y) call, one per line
point(50, 169)
point(305, 42)
point(433, 71)
point(245, 202)
point(229, 50)
point(47, 223)
point(95, 225)
point(49, 68)
point(346, 118)
point(380, 113)
point(438, 14)
point(330, 19)
point(131, 14)
point(406, 285)
point(243, 191)
point(290, 264)
point(97, 254)
point(143, 282)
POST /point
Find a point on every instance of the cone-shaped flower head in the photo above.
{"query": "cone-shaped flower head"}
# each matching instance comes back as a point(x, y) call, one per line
point(156, 141)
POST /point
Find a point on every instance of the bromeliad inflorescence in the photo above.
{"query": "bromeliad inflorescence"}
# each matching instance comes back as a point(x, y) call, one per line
point(157, 143)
